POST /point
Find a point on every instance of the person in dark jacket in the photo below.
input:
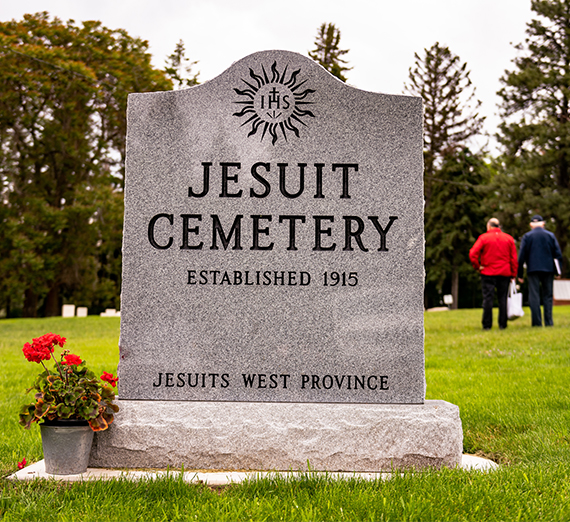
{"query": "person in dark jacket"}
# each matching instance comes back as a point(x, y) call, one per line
point(494, 255)
point(539, 250)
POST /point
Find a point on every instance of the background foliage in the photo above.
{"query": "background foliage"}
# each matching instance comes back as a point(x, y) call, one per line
point(62, 148)
point(534, 171)
point(328, 53)
point(531, 175)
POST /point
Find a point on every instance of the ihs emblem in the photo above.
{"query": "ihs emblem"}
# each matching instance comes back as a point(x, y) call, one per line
point(274, 105)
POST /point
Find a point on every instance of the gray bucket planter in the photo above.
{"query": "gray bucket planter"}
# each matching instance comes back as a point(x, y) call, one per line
point(66, 445)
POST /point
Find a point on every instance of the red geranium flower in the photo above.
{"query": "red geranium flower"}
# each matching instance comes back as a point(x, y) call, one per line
point(37, 352)
point(22, 465)
point(109, 378)
point(50, 339)
point(42, 347)
point(71, 359)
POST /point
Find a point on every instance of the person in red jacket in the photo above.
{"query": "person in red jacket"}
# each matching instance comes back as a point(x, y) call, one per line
point(494, 255)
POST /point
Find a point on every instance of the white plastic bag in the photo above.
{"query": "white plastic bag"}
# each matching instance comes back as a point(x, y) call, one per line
point(514, 303)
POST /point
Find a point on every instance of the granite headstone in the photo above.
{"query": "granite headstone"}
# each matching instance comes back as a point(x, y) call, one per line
point(272, 290)
point(273, 240)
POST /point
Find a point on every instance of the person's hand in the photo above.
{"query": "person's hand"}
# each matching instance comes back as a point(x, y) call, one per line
point(481, 268)
point(521, 280)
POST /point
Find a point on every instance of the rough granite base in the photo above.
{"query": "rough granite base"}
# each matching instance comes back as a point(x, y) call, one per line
point(280, 436)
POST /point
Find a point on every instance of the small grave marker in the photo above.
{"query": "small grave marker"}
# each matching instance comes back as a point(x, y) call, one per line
point(68, 310)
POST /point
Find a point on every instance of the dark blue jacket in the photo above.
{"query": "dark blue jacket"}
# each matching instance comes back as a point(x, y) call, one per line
point(538, 250)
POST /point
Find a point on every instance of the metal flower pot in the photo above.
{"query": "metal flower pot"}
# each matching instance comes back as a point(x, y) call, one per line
point(66, 445)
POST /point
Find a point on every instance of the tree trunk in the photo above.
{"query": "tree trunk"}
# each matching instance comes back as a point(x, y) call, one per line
point(30, 303)
point(52, 302)
point(455, 289)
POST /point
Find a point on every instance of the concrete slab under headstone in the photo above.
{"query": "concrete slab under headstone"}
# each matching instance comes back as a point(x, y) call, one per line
point(286, 436)
point(219, 478)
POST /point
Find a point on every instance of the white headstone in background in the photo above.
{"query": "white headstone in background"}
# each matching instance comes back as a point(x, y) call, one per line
point(110, 312)
point(68, 310)
point(561, 290)
point(81, 311)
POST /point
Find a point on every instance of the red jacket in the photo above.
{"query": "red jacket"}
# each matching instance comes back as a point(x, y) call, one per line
point(496, 253)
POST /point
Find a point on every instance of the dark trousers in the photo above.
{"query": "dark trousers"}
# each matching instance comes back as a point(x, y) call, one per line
point(540, 285)
point(488, 285)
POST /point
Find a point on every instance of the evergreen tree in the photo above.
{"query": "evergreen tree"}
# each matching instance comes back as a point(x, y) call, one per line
point(450, 121)
point(453, 221)
point(179, 70)
point(535, 132)
point(62, 145)
point(450, 107)
point(327, 52)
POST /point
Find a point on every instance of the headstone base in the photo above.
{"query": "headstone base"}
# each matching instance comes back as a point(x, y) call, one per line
point(280, 436)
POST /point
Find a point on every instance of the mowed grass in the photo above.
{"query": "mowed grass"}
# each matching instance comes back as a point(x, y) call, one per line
point(512, 388)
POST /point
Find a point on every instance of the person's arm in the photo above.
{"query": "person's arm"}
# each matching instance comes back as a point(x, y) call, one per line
point(475, 252)
point(522, 257)
point(514, 262)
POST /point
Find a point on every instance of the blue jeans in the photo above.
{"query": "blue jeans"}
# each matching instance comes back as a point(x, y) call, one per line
point(540, 285)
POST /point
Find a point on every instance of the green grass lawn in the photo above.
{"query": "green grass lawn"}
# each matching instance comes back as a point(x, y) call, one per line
point(512, 388)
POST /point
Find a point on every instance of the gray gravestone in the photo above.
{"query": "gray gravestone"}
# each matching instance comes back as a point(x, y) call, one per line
point(273, 241)
point(271, 312)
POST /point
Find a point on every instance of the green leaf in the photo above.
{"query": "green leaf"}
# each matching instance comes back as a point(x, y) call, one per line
point(27, 415)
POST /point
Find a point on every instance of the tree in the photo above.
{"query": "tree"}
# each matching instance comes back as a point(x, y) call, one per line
point(535, 131)
point(453, 221)
point(450, 121)
point(450, 107)
point(62, 149)
point(178, 70)
point(327, 52)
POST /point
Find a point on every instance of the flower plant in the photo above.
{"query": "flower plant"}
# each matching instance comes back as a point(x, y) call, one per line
point(70, 390)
